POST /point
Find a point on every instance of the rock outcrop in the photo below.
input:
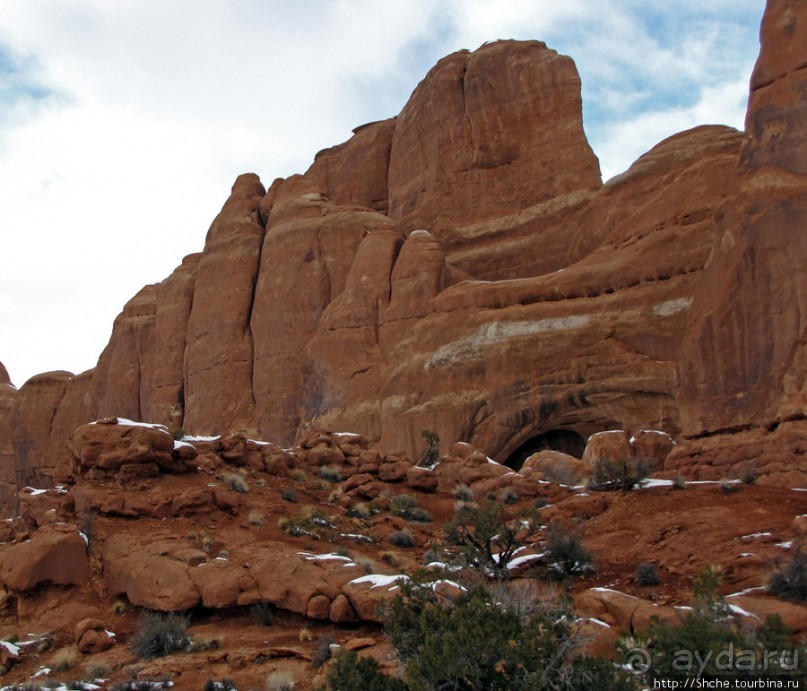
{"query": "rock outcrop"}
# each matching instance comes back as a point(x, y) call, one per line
point(461, 269)
point(744, 367)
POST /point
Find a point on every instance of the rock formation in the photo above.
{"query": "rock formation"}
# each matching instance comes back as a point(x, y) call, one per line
point(460, 268)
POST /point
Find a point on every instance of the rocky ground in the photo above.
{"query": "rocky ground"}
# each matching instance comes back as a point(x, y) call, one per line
point(270, 551)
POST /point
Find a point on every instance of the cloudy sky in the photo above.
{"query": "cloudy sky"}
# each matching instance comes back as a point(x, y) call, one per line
point(123, 123)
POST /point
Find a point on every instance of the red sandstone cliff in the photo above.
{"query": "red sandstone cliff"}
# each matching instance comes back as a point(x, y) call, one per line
point(460, 268)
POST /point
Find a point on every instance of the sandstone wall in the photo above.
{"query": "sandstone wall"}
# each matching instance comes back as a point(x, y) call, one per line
point(460, 268)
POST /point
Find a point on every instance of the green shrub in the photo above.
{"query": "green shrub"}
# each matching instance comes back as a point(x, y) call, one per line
point(401, 505)
point(432, 452)
point(279, 681)
point(612, 474)
point(359, 510)
point(350, 672)
point(406, 506)
point(790, 581)
point(262, 613)
point(565, 552)
point(330, 473)
point(709, 636)
point(464, 493)
point(159, 634)
point(473, 642)
point(647, 574)
point(486, 540)
point(322, 651)
point(402, 539)
point(509, 496)
point(311, 522)
point(236, 482)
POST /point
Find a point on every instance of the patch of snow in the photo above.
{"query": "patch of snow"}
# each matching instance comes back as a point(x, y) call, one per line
point(33, 491)
point(194, 437)
point(85, 538)
point(654, 482)
point(453, 584)
point(525, 559)
point(41, 672)
point(748, 554)
point(598, 622)
point(611, 590)
point(181, 444)
point(356, 536)
point(310, 556)
point(135, 423)
point(755, 535)
point(110, 634)
point(741, 612)
point(758, 588)
point(13, 649)
point(378, 580)
point(785, 545)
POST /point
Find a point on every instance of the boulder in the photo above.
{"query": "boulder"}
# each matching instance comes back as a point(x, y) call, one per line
point(55, 555)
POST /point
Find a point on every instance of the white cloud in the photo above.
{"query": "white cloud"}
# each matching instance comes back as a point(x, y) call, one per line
point(149, 111)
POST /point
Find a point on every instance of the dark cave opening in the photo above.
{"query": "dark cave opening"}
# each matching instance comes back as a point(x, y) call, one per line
point(563, 440)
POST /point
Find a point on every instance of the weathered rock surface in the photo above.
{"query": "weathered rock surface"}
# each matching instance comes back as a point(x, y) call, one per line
point(460, 268)
point(55, 555)
point(744, 367)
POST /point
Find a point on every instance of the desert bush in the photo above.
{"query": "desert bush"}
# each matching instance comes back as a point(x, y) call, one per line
point(710, 632)
point(610, 474)
point(789, 581)
point(402, 539)
point(647, 574)
point(298, 475)
point(678, 482)
point(262, 613)
point(509, 496)
point(432, 452)
point(352, 671)
point(322, 651)
point(158, 635)
point(402, 504)
point(64, 659)
point(289, 496)
point(304, 635)
point(419, 515)
point(464, 493)
point(748, 475)
point(97, 669)
point(435, 553)
point(236, 482)
point(366, 563)
point(279, 681)
point(406, 506)
point(330, 473)
point(389, 559)
point(729, 487)
point(256, 518)
point(223, 685)
point(565, 552)
point(311, 522)
point(486, 539)
point(360, 510)
point(473, 642)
